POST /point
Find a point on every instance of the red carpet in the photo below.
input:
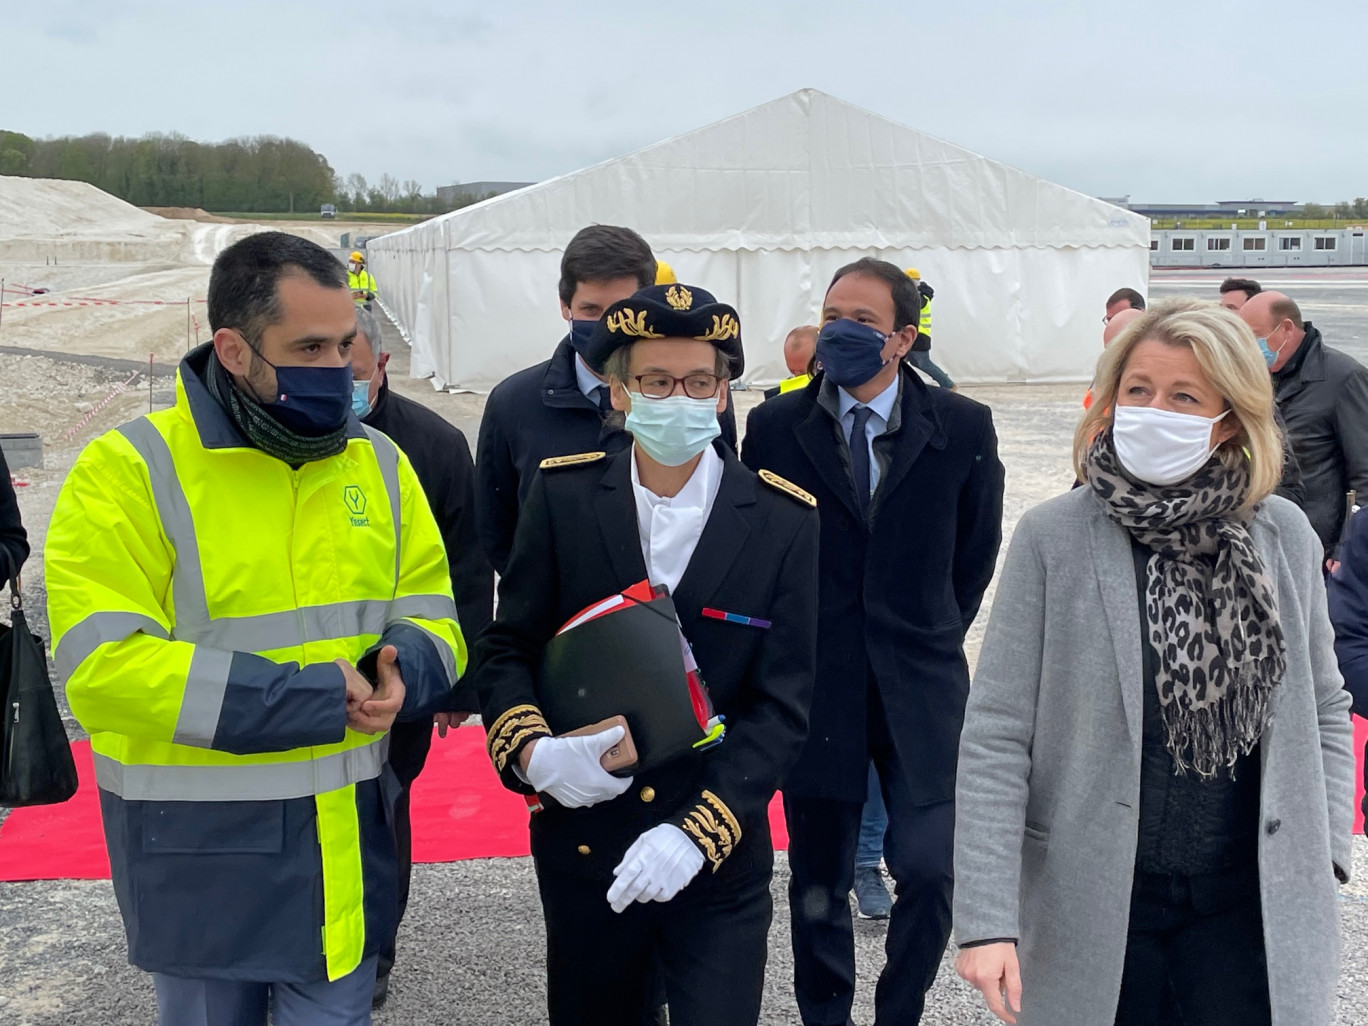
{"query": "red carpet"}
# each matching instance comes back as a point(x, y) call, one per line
point(57, 842)
point(1360, 738)
point(459, 809)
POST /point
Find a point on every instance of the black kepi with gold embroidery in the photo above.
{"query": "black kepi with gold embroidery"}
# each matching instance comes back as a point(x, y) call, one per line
point(746, 603)
point(668, 311)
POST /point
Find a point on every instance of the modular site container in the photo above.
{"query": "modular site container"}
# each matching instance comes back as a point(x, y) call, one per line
point(1276, 247)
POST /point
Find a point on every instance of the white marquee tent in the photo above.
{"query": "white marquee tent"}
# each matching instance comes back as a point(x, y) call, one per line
point(760, 209)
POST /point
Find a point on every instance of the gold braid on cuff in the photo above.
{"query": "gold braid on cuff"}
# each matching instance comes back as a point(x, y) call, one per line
point(714, 828)
point(520, 724)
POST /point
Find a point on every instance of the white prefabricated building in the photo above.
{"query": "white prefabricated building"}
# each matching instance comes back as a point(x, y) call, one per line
point(760, 209)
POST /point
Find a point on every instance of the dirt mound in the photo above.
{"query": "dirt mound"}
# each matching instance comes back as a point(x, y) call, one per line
point(47, 207)
point(188, 214)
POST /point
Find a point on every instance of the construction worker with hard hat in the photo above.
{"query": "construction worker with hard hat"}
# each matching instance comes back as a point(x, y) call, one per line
point(920, 354)
point(359, 280)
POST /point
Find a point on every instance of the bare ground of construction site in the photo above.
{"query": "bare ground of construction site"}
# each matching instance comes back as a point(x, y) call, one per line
point(471, 948)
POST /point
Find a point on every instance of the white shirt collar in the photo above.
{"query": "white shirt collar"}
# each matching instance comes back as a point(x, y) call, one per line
point(881, 404)
point(587, 381)
point(669, 527)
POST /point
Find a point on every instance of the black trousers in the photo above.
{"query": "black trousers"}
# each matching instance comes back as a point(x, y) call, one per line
point(1195, 953)
point(409, 747)
point(709, 944)
point(919, 852)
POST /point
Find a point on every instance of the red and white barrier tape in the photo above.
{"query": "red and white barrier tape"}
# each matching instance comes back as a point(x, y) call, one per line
point(118, 389)
point(105, 302)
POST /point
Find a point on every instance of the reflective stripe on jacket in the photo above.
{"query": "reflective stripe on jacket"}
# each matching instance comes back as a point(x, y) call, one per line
point(361, 281)
point(199, 591)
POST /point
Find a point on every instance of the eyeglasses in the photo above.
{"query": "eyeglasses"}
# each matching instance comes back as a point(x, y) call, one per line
point(662, 386)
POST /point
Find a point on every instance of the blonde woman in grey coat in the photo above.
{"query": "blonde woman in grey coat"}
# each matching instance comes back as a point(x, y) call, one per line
point(1156, 777)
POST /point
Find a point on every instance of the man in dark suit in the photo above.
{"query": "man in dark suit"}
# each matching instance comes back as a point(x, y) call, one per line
point(557, 406)
point(671, 868)
point(910, 488)
point(441, 460)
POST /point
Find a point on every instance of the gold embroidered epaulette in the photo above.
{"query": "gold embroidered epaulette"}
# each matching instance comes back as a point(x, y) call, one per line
point(519, 724)
point(713, 826)
point(788, 488)
point(551, 462)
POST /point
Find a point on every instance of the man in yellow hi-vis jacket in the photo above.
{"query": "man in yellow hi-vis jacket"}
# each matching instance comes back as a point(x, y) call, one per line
point(359, 280)
point(245, 591)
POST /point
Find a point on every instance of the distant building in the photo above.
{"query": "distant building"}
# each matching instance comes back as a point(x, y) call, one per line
point(1219, 209)
point(480, 190)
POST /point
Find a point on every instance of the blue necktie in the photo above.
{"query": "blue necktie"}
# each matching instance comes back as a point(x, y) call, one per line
point(859, 456)
point(605, 399)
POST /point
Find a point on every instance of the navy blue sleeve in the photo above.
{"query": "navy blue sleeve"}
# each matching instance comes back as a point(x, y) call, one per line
point(266, 706)
point(1348, 598)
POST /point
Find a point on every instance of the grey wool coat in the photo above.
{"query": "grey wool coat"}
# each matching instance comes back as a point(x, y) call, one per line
point(1049, 769)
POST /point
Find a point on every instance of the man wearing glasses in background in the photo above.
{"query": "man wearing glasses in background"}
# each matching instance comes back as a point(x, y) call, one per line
point(1122, 299)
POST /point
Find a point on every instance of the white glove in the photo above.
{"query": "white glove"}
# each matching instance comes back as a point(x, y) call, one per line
point(659, 864)
point(568, 768)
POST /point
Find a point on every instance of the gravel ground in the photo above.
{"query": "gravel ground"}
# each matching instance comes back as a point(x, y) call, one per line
point(471, 950)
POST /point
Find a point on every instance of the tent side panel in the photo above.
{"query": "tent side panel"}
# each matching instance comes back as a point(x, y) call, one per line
point(503, 315)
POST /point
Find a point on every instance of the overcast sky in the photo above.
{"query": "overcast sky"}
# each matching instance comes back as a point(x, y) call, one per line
point(1188, 101)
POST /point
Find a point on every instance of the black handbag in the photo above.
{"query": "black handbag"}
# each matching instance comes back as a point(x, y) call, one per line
point(36, 767)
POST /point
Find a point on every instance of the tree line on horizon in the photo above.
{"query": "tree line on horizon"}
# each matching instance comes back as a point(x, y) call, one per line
point(255, 174)
point(1357, 208)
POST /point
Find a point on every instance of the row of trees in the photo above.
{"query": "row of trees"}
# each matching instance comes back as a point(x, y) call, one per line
point(259, 174)
point(390, 196)
point(1357, 210)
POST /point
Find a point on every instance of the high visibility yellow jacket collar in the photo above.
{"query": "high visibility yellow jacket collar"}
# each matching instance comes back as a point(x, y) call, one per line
point(216, 429)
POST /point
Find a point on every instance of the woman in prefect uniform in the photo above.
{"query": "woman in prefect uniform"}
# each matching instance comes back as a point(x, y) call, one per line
point(671, 867)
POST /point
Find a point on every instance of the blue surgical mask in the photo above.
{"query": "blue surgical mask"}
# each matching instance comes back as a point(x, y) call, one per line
point(361, 398)
point(672, 430)
point(310, 401)
point(1270, 355)
point(579, 335)
point(850, 353)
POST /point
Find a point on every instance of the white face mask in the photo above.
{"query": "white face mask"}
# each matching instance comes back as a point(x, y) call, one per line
point(673, 430)
point(1160, 447)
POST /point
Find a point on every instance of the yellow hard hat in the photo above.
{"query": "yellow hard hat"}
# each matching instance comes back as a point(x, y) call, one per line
point(358, 256)
point(913, 273)
point(665, 274)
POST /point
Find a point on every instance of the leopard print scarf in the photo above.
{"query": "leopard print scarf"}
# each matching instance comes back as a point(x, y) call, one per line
point(1213, 621)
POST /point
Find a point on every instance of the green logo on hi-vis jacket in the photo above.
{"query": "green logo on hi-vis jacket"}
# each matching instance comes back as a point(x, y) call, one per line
point(355, 499)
